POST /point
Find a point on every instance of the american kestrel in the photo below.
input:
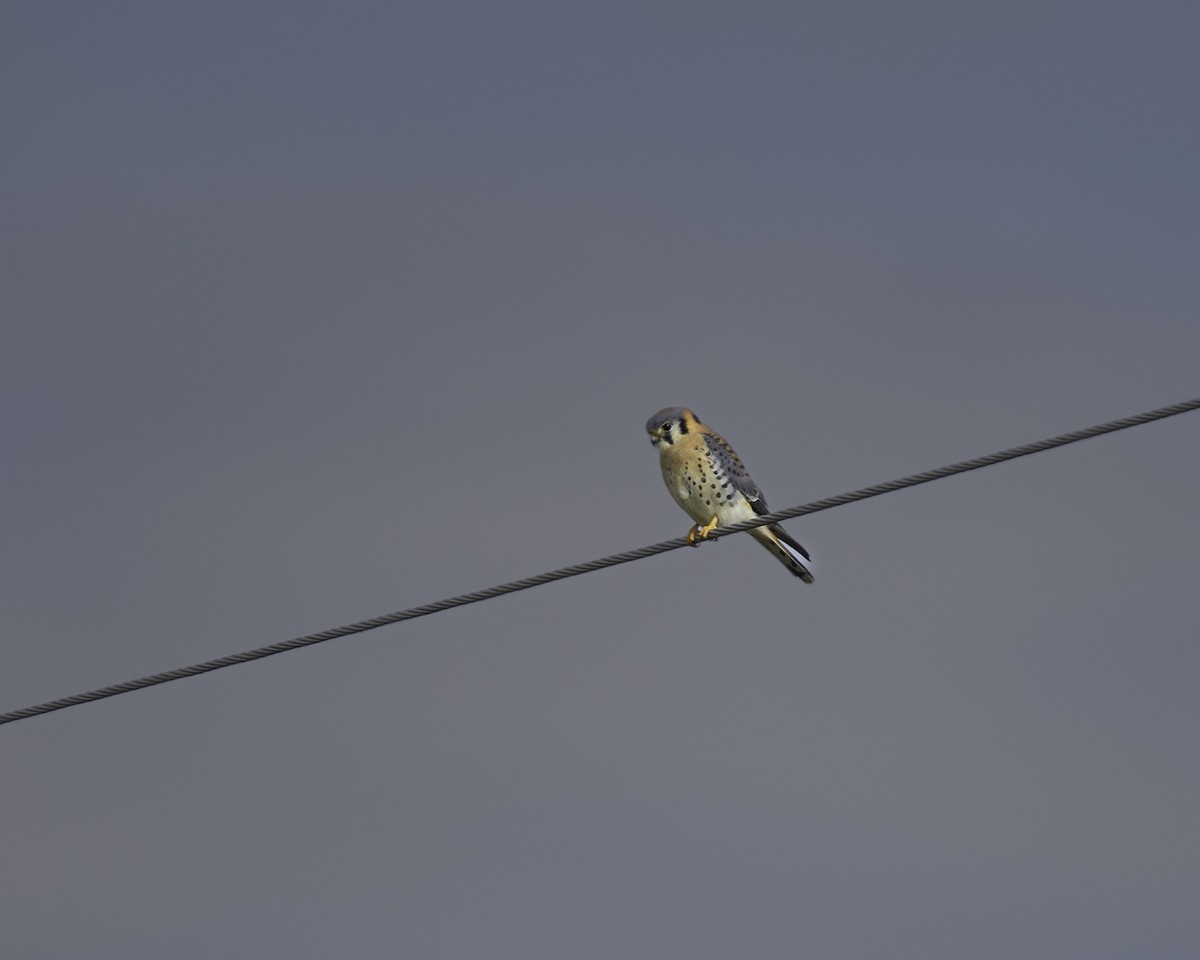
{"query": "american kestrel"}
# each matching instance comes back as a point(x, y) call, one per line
point(710, 482)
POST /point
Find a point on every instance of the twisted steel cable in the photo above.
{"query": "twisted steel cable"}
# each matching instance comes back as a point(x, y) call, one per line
point(610, 561)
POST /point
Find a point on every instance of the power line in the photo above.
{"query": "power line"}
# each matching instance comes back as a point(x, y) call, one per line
point(611, 561)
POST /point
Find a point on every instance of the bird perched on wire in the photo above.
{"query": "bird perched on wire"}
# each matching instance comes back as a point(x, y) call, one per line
point(711, 483)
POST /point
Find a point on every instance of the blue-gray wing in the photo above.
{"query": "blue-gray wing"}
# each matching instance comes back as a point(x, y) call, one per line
point(735, 471)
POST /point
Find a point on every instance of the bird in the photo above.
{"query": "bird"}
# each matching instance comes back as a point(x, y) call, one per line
point(711, 483)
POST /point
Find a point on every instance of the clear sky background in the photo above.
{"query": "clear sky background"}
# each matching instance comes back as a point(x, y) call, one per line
point(316, 311)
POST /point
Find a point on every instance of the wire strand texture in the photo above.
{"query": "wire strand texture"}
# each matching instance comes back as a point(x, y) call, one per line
point(615, 559)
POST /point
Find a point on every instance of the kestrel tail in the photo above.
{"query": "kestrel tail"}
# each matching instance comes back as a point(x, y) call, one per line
point(710, 482)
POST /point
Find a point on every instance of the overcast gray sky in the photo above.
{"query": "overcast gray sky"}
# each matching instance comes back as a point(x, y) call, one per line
point(317, 311)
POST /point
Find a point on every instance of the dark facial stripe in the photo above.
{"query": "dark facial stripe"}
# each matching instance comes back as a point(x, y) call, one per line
point(683, 427)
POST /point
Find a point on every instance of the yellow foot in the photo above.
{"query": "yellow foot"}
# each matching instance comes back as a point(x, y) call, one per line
point(698, 533)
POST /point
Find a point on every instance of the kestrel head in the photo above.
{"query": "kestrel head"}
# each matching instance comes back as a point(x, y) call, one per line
point(669, 423)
